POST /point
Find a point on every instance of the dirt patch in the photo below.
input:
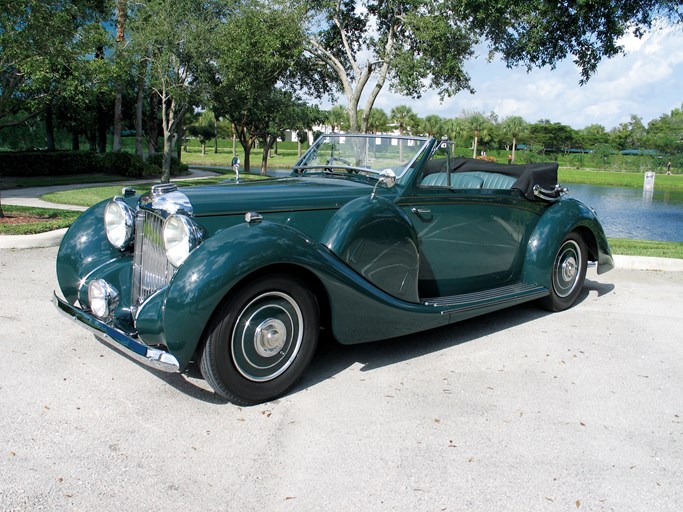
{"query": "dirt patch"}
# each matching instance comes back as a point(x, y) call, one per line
point(23, 218)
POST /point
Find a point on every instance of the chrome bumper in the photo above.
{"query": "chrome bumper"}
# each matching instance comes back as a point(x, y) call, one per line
point(153, 357)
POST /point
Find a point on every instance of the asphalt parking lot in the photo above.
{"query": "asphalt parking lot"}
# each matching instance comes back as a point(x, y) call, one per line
point(519, 410)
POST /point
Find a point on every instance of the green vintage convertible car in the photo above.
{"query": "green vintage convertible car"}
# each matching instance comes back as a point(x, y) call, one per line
point(370, 237)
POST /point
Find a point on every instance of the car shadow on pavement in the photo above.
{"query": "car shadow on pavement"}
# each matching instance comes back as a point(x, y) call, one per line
point(332, 358)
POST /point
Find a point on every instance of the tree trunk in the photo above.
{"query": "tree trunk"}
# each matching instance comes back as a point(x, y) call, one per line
point(268, 142)
point(169, 136)
point(138, 120)
point(49, 128)
point(75, 140)
point(118, 106)
point(101, 125)
point(514, 147)
point(181, 135)
point(152, 130)
point(121, 11)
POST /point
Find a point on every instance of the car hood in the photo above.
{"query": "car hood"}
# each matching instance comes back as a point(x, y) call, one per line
point(283, 194)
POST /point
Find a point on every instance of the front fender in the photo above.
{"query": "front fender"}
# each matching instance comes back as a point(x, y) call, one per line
point(216, 266)
point(557, 222)
point(377, 240)
point(83, 250)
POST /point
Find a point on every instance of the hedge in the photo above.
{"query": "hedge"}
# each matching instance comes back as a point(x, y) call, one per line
point(43, 163)
point(60, 163)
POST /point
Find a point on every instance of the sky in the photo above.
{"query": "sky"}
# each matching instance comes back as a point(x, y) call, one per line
point(647, 82)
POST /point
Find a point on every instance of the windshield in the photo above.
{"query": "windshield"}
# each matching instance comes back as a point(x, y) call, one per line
point(363, 154)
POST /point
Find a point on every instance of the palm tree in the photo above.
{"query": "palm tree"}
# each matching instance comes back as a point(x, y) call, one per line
point(404, 117)
point(433, 125)
point(337, 116)
point(476, 123)
point(514, 126)
point(377, 121)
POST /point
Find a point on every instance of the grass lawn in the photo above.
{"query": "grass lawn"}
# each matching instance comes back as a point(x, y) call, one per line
point(619, 179)
point(24, 220)
point(627, 247)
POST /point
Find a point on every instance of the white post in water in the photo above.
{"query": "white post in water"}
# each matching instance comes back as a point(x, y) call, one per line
point(649, 183)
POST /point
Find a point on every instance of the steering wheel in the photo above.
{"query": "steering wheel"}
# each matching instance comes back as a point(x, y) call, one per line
point(333, 159)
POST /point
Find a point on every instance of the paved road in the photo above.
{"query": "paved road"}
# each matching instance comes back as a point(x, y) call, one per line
point(519, 410)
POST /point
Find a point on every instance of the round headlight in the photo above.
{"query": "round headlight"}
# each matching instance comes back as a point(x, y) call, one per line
point(181, 236)
point(119, 223)
point(103, 298)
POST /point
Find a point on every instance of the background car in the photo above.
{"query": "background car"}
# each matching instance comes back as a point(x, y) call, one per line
point(371, 237)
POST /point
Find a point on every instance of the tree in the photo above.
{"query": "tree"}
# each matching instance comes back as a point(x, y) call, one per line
point(337, 117)
point(666, 132)
point(433, 126)
point(283, 111)
point(514, 127)
point(415, 45)
point(399, 41)
point(629, 135)
point(551, 136)
point(478, 127)
point(204, 129)
point(256, 47)
point(121, 15)
point(378, 121)
point(172, 37)
point(40, 41)
point(405, 118)
point(592, 135)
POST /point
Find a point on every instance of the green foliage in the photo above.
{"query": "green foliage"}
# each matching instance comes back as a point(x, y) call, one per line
point(646, 248)
point(122, 164)
point(155, 163)
point(44, 163)
point(41, 47)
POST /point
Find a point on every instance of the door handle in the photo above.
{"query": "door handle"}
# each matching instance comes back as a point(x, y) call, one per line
point(423, 213)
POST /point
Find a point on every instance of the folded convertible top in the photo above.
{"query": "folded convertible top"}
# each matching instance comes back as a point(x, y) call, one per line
point(528, 175)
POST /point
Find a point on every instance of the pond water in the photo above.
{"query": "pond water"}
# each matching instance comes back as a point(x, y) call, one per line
point(635, 213)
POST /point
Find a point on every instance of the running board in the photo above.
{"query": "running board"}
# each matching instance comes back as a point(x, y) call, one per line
point(514, 293)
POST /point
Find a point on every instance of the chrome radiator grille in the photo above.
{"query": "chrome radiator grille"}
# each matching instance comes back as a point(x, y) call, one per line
point(151, 269)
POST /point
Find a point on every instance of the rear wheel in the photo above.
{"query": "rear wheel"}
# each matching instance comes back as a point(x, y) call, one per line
point(568, 274)
point(261, 340)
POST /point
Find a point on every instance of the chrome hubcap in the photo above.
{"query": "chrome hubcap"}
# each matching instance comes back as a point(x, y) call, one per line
point(566, 268)
point(569, 269)
point(270, 337)
point(267, 336)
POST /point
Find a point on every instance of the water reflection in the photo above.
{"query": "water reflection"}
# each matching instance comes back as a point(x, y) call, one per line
point(635, 213)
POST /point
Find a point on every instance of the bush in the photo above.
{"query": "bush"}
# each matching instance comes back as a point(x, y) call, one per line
point(177, 168)
point(44, 163)
point(122, 164)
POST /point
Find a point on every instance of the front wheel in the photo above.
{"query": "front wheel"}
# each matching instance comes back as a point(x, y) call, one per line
point(261, 340)
point(567, 274)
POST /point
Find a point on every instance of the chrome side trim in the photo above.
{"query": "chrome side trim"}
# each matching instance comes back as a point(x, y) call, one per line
point(152, 357)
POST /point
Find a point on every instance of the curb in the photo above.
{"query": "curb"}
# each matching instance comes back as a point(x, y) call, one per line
point(49, 239)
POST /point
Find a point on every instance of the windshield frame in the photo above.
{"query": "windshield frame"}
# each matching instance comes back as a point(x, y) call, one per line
point(414, 148)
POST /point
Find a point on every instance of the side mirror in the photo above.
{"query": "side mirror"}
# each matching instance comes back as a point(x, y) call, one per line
point(387, 177)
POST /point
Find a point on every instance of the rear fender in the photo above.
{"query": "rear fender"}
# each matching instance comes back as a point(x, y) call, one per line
point(556, 223)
